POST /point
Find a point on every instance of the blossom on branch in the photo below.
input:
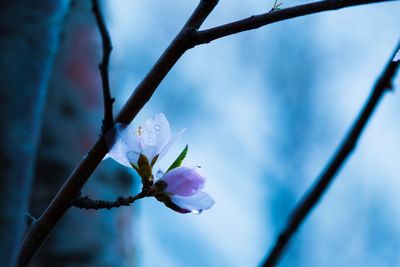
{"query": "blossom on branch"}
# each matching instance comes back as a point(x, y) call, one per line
point(127, 142)
point(140, 147)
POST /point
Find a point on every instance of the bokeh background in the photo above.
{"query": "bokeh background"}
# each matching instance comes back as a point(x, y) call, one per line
point(263, 110)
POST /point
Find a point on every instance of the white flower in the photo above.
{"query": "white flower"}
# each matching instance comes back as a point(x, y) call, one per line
point(127, 142)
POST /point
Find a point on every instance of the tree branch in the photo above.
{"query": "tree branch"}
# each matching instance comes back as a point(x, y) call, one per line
point(108, 120)
point(311, 198)
point(258, 21)
point(181, 43)
point(87, 203)
point(29, 219)
point(186, 39)
point(74, 184)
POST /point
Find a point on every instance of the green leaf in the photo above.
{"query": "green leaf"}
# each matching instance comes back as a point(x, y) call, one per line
point(179, 159)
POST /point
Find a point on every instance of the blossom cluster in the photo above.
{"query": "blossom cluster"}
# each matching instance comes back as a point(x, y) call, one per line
point(180, 187)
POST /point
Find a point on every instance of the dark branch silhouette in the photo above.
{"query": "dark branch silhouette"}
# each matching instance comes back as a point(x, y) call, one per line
point(314, 194)
point(41, 228)
point(187, 38)
point(87, 203)
point(254, 22)
point(108, 120)
point(29, 219)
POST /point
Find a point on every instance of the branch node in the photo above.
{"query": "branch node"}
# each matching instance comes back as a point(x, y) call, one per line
point(29, 219)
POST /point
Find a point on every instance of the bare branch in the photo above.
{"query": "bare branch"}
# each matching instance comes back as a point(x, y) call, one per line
point(74, 184)
point(108, 120)
point(87, 203)
point(314, 194)
point(273, 16)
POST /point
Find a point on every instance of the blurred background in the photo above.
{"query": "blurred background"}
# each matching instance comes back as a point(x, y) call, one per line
point(263, 110)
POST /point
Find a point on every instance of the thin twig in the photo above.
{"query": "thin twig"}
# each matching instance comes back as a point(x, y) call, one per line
point(254, 22)
point(276, 6)
point(75, 182)
point(87, 203)
point(108, 120)
point(314, 194)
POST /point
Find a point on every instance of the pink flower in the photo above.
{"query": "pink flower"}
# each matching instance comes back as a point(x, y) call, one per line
point(127, 142)
point(184, 186)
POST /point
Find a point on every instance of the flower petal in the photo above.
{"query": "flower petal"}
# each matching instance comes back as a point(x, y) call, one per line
point(133, 157)
point(117, 139)
point(183, 181)
point(155, 135)
point(171, 141)
point(127, 142)
point(195, 203)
